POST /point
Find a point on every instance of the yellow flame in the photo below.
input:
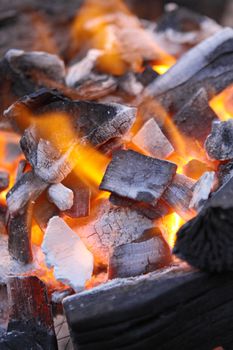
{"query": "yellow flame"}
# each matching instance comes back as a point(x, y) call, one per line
point(161, 68)
point(171, 224)
point(219, 104)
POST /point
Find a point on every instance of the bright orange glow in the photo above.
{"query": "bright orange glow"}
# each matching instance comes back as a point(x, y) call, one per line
point(161, 68)
point(170, 225)
point(110, 27)
point(220, 104)
point(36, 235)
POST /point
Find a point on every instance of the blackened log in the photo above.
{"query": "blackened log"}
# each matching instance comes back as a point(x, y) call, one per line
point(151, 211)
point(219, 144)
point(21, 168)
point(135, 176)
point(206, 240)
point(4, 180)
point(44, 210)
point(148, 253)
point(211, 63)
point(108, 226)
point(27, 189)
point(30, 310)
point(147, 76)
point(178, 195)
point(195, 118)
point(82, 196)
point(152, 141)
point(97, 122)
point(113, 145)
point(19, 231)
point(157, 311)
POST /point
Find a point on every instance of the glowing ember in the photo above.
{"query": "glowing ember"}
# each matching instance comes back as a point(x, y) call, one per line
point(222, 104)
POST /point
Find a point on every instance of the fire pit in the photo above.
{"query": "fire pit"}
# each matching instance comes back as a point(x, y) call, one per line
point(116, 180)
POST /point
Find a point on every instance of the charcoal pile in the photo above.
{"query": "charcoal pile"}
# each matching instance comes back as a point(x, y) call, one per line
point(116, 207)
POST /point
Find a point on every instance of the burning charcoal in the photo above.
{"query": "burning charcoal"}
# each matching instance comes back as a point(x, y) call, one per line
point(219, 144)
point(180, 28)
point(21, 168)
point(19, 231)
point(12, 151)
point(202, 189)
point(3, 215)
point(211, 63)
point(108, 227)
point(152, 212)
point(178, 195)
point(111, 146)
point(225, 172)
point(146, 254)
point(83, 68)
point(133, 175)
point(195, 169)
point(61, 196)
point(151, 140)
point(43, 211)
point(4, 180)
point(195, 118)
point(147, 76)
point(27, 188)
point(30, 311)
point(206, 240)
point(66, 253)
point(82, 196)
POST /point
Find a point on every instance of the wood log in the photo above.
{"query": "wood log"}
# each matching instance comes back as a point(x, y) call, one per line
point(206, 240)
point(138, 177)
point(211, 63)
point(163, 310)
point(224, 172)
point(30, 311)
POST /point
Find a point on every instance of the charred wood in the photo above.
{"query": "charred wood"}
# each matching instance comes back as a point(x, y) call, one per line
point(61, 196)
point(138, 177)
point(4, 180)
point(224, 172)
point(206, 240)
point(43, 211)
point(148, 312)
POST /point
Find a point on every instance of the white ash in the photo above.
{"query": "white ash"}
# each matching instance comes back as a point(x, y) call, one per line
point(65, 251)
point(203, 187)
point(61, 196)
point(151, 139)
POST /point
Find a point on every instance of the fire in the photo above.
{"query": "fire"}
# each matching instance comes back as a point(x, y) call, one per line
point(171, 224)
point(161, 68)
point(222, 104)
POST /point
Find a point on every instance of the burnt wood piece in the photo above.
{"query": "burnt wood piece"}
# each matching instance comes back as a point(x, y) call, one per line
point(206, 240)
point(21, 168)
point(178, 195)
point(195, 118)
point(44, 210)
point(152, 141)
point(19, 231)
point(165, 310)
point(82, 197)
point(148, 253)
point(224, 172)
point(129, 84)
point(96, 122)
point(219, 144)
point(107, 227)
point(4, 180)
point(3, 216)
point(136, 176)
point(30, 311)
point(212, 68)
point(61, 196)
point(27, 189)
point(147, 76)
point(113, 145)
point(152, 212)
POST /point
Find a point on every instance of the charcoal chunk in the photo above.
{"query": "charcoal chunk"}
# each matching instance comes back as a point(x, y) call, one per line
point(205, 241)
point(4, 180)
point(135, 176)
point(61, 196)
point(219, 144)
point(225, 172)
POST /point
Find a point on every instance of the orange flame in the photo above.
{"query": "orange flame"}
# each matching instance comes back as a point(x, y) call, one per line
point(222, 104)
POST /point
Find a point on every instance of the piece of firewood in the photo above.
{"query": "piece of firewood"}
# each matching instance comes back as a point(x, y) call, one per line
point(211, 63)
point(219, 144)
point(151, 211)
point(206, 240)
point(160, 310)
point(178, 195)
point(66, 253)
point(30, 310)
point(108, 226)
point(19, 231)
point(61, 196)
point(195, 118)
point(136, 176)
point(152, 141)
point(148, 253)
